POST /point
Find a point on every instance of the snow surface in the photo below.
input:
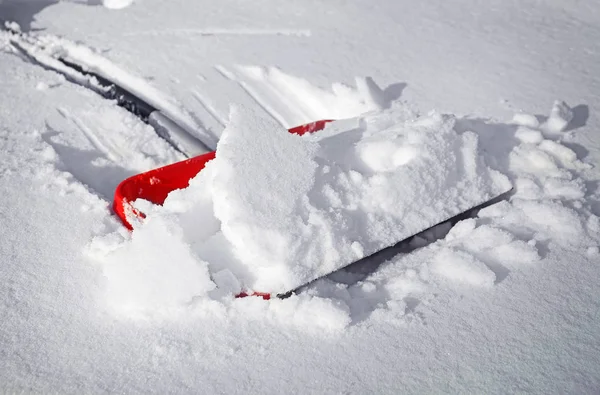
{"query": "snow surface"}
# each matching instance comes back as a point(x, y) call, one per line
point(503, 302)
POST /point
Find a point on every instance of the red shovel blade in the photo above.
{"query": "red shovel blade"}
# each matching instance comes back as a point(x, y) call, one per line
point(155, 185)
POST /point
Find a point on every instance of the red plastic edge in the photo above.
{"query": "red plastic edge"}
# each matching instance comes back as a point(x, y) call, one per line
point(156, 184)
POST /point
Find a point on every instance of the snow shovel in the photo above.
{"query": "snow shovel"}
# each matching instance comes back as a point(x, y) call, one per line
point(156, 184)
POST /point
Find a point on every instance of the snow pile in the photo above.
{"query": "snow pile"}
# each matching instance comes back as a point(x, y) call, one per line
point(547, 211)
point(275, 211)
point(296, 208)
point(476, 253)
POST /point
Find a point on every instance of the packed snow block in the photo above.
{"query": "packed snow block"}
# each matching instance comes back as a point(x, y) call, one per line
point(295, 208)
point(529, 136)
point(560, 116)
point(527, 120)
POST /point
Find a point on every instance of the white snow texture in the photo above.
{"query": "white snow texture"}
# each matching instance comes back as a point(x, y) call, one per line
point(501, 300)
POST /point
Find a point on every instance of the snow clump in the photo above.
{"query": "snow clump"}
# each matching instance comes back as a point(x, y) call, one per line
point(278, 210)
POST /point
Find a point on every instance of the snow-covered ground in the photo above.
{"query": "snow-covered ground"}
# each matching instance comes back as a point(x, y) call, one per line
point(503, 302)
